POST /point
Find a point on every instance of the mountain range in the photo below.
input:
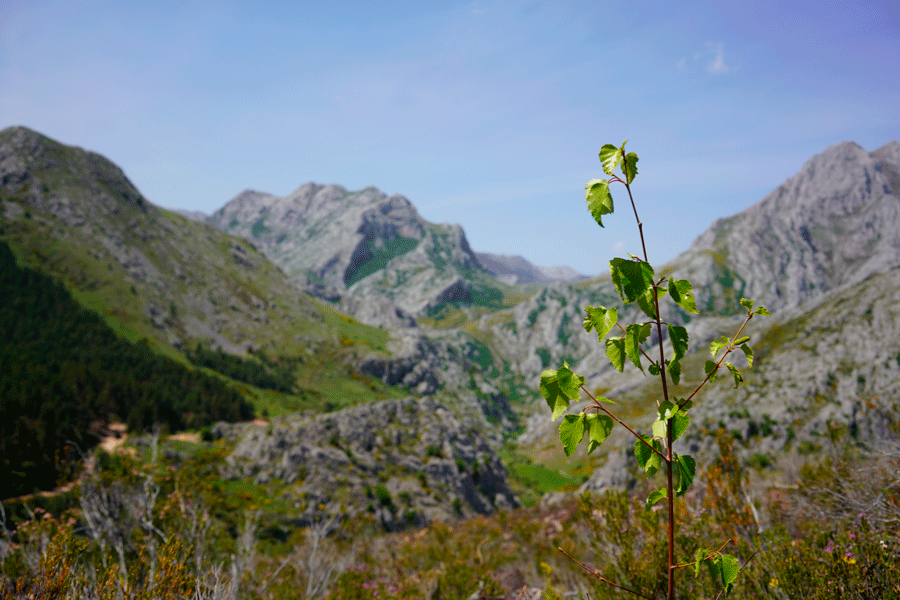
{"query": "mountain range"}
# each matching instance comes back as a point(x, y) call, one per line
point(365, 296)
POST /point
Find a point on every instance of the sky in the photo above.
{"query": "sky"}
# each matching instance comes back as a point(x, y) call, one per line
point(488, 114)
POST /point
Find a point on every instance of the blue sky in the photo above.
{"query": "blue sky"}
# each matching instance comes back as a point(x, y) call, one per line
point(489, 114)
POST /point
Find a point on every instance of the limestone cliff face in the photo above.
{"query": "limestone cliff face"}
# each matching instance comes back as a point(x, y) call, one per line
point(833, 224)
point(360, 247)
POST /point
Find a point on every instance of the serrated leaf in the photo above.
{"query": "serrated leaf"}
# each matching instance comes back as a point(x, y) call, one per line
point(655, 497)
point(760, 310)
point(675, 371)
point(570, 382)
point(683, 294)
point(710, 369)
point(635, 334)
point(648, 460)
point(550, 391)
point(601, 320)
point(736, 373)
point(598, 427)
point(559, 387)
point(631, 278)
point(599, 200)
point(717, 345)
point(686, 468)
point(680, 423)
point(659, 429)
point(699, 556)
point(629, 166)
point(615, 350)
point(679, 337)
point(730, 568)
point(748, 304)
point(748, 352)
point(667, 410)
point(571, 430)
point(610, 156)
point(647, 304)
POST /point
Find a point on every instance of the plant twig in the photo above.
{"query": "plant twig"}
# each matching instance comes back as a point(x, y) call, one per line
point(601, 577)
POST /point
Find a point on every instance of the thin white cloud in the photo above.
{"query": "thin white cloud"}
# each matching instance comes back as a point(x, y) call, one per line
point(717, 64)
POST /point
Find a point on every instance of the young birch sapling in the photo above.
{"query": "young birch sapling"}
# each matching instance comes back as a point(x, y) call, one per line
point(636, 283)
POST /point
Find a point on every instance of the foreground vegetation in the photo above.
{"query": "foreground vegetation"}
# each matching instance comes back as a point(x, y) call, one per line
point(173, 528)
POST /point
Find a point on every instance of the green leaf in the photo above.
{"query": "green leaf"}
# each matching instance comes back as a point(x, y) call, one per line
point(599, 427)
point(735, 372)
point(680, 423)
point(635, 334)
point(631, 278)
point(647, 304)
point(748, 304)
point(571, 430)
point(679, 337)
point(629, 166)
point(655, 497)
point(717, 345)
point(761, 310)
point(748, 352)
point(648, 460)
point(729, 569)
point(710, 369)
point(685, 468)
point(559, 387)
point(600, 319)
point(610, 156)
point(599, 200)
point(615, 350)
point(653, 369)
point(675, 371)
point(659, 429)
point(699, 556)
point(683, 295)
point(667, 410)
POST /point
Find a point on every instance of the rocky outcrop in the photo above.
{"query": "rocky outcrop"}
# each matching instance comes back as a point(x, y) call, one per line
point(362, 245)
point(406, 462)
point(831, 225)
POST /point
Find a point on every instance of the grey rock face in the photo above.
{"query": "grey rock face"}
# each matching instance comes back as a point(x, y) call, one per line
point(431, 462)
point(831, 225)
point(363, 245)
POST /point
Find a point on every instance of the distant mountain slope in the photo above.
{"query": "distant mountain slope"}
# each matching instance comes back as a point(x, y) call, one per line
point(833, 224)
point(517, 270)
point(365, 245)
point(152, 274)
point(65, 373)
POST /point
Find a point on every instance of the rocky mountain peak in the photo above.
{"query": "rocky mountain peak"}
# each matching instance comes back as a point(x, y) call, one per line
point(47, 174)
point(335, 244)
point(832, 224)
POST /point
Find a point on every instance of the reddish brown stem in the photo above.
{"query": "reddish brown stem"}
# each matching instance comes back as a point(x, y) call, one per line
point(602, 578)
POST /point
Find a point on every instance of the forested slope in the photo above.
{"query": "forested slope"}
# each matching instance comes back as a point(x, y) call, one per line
point(63, 373)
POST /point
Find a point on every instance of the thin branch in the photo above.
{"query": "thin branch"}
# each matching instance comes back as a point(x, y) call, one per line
point(728, 350)
point(597, 404)
point(602, 578)
point(719, 595)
